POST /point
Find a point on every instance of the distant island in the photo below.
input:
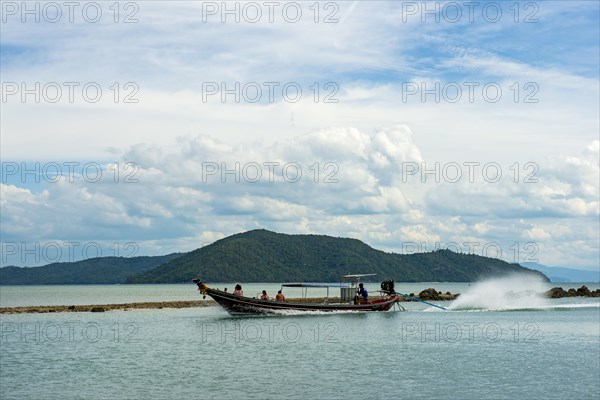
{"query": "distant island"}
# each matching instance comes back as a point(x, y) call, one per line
point(265, 256)
point(99, 270)
point(560, 274)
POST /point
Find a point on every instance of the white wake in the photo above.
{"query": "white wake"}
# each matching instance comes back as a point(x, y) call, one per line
point(511, 292)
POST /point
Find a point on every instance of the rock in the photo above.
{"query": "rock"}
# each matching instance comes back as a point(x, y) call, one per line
point(583, 291)
point(447, 296)
point(429, 294)
point(556, 293)
point(97, 309)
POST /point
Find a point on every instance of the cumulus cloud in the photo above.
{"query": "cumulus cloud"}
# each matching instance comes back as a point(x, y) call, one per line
point(326, 173)
point(558, 187)
point(335, 181)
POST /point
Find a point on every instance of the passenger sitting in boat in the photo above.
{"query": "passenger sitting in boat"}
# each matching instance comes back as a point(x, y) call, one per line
point(264, 295)
point(238, 290)
point(279, 296)
point(362, 292)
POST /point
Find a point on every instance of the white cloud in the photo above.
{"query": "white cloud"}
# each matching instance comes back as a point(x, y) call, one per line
point(178, 204)
point(538, 234)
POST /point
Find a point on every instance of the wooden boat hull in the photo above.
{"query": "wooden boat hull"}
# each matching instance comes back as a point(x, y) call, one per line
point(244, 305)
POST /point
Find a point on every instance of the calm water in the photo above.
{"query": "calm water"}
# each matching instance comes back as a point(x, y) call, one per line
point(536, 349)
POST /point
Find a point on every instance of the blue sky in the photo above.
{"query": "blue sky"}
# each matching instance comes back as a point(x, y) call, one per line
point(367, 141)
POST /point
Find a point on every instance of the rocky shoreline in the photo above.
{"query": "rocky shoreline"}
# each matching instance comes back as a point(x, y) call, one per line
point(106, 307)
point(432, 294)
point(558, 292)
point(429, 294)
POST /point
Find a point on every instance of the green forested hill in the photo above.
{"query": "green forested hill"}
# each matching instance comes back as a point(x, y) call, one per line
point(93, 270)
point(264, 256)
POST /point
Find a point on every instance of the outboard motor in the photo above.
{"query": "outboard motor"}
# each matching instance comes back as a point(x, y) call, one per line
point(388, 287)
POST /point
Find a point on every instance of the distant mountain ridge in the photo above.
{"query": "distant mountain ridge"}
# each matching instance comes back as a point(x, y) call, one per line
point(561, 274)
point(265, 256)
point(100, 270)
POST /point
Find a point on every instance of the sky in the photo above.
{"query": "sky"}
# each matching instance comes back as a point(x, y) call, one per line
point(151, 127)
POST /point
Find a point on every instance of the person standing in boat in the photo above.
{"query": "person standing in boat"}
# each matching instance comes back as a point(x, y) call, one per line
point(363, 294)
point(279, 297)
point(238, 290)
point(264, 295)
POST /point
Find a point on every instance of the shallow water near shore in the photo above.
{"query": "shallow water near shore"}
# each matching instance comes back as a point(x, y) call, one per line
point(42, 295)
point(549, 351)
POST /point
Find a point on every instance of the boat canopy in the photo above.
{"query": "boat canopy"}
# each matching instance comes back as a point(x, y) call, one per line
point(305, 286)
point(355, 276)
point(299, 284)
point(347, 289)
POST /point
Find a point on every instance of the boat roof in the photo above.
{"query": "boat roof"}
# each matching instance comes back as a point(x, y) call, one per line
point(302, 284)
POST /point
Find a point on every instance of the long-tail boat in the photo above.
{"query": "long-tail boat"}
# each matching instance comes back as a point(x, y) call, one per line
point(350, 301)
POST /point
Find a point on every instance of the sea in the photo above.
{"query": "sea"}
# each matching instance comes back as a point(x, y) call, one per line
point(498, 340)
